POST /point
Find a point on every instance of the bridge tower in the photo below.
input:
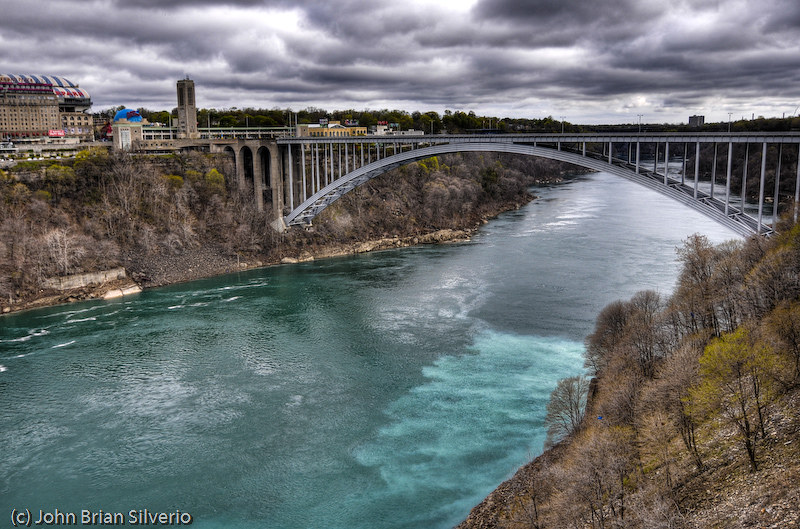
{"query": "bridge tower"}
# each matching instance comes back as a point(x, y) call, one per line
point(187, 110)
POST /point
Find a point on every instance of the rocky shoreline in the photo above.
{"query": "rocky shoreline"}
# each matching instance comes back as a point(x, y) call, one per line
point(155, 271)
point(505, 504)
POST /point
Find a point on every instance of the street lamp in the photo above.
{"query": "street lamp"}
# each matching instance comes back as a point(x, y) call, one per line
point(562, 123)
point(729, 120)
point(640, 122)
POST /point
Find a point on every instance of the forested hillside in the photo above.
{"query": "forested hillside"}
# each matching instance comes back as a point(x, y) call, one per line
point(691, 417)
point(174, 218)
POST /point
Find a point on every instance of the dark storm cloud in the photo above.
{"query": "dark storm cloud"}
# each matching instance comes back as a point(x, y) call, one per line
point(610, 57)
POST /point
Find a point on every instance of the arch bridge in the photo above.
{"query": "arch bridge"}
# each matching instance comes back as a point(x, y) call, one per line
point(307, 174)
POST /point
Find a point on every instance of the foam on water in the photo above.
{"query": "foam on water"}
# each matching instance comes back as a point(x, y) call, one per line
point(80, 320)
point(477, 416)
point(31, 334)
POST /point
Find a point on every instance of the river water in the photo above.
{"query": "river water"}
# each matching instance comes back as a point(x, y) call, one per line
point(387, 390)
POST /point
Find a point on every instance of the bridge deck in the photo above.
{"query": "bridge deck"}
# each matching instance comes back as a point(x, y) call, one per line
point(589, 137)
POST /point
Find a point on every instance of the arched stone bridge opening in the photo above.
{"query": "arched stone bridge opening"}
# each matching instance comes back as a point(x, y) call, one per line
point(258, 166)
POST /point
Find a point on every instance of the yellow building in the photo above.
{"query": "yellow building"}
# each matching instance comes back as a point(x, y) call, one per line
point(331, 130)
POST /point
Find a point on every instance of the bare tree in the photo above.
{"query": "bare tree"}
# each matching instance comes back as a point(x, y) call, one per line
point(566, 408)
point(670, 393)
point(643, 330)
point(782, 327)
point(608, 334)
point(65, 249)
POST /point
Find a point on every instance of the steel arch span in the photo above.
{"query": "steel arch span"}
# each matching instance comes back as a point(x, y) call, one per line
point(734, 219)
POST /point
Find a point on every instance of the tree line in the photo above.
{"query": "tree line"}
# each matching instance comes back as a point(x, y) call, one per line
point(448, 122)
point(678, 387)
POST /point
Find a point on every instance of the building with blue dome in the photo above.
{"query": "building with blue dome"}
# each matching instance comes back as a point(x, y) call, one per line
point(129, 115)
point(127, 128)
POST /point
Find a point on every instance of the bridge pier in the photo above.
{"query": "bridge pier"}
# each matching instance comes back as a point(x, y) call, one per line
point(761, 185)
point(251, 157)
point(797, 187)
point(258, 171)
point(728, 178)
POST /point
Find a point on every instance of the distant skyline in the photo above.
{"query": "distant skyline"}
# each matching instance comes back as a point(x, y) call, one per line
point(606, 61)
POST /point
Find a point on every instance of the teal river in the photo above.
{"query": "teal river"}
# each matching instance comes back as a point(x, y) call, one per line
point(386, 390)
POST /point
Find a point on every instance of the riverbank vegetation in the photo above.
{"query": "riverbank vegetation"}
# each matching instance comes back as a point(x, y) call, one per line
point(690, 420)
point(180, 217)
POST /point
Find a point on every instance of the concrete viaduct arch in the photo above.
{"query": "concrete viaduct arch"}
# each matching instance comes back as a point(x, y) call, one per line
point(258, 169)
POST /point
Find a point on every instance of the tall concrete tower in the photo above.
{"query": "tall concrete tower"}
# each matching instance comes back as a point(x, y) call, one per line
point(187, 110)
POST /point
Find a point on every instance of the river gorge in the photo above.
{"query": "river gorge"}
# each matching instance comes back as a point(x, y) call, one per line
point(393, 389)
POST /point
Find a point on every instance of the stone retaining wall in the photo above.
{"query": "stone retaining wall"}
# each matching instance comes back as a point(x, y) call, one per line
point(83, 280)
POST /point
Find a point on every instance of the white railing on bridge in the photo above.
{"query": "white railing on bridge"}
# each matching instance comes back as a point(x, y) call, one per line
point(214, 133)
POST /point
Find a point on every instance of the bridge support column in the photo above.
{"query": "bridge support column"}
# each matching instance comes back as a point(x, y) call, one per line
point(276, 179)
point(303, 169)
point(324, 165)
point(240, 172)
point(610, 150)
point(316, 167)
point(666, 163)
point(761, 185)
point(797, 186)
point(291, 182)
point(777, 197)
point(714, 171)
point(696, 168)
point(637, 157)
point(258, 171)
point(728, 178)
point(683, 169)
point(744, 175)
point(333, 173)
point(655, 161)
point(311, 166)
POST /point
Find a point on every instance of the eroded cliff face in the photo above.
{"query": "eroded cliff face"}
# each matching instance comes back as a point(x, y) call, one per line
point(176, 219)
point(692, 418)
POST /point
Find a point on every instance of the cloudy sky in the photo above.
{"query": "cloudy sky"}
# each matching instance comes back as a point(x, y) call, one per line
point(590, 61)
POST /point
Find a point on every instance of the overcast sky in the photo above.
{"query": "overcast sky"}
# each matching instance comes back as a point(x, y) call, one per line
point(590, 61)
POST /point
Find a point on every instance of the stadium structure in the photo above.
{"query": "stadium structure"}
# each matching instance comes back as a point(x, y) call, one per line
point(43, 109)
